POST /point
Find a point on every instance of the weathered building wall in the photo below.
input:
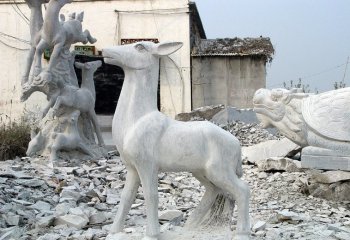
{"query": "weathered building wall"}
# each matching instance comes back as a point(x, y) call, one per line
point(229, 80)
point(109, 22)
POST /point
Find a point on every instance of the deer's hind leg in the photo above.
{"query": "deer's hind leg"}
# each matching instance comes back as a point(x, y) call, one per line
point(127, 198)
point(37, 57)
point(54, 55)
point(82, 146)
point(28, 66)
point(94, 121)
point(227, 180)
point(211, 192)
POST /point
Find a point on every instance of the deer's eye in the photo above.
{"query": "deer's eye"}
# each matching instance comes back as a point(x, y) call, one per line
point(140, 47)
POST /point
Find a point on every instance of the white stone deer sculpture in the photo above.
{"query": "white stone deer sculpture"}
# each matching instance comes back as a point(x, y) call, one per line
point(149, 141)
point(58, 35)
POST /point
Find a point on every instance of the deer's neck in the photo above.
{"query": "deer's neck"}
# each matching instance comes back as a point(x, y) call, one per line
point(51, 23)
point(138, 97)
point(36, 21)
point(87, 81)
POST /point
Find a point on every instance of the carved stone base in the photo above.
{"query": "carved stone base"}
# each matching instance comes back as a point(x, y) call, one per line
point(180, 233)
point(319, 158)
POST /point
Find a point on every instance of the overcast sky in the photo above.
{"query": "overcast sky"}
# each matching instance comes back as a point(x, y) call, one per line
point(311, 37)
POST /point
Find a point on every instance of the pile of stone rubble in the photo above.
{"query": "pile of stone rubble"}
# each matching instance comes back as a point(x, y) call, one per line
point(78, 200)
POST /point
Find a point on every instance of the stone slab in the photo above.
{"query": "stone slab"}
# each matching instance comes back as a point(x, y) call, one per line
point(268, 149)
point(325, 162)
point(331, 176)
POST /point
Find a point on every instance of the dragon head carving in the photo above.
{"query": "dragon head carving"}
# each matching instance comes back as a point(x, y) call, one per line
point(281, 108)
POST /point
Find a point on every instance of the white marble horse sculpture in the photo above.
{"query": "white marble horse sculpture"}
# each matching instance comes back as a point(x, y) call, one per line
point(149, 141)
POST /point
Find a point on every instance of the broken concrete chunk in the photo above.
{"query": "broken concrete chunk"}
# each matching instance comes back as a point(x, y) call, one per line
point(31, 182)
point(259, 226)
point(78, 211)
point(271, 148)
point(286, 215)
point(97, 218)
point(112, 198)
point(45, 222)
point(331, 176)
point(50, 236)
point(41, 206)
point(202, 113)
point(279, 164)
point(69, 194)
point(12, 219)
point(342, 236)
point(71, 220)
point(171, 216)
point(339, 191)
point(63, 208)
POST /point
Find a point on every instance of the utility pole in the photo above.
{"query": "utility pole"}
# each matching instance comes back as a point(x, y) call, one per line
point(346, 67)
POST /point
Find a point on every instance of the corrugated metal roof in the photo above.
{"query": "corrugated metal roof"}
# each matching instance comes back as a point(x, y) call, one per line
point(235, 47)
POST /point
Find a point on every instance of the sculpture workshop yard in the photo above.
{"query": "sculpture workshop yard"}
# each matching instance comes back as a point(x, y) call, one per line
point(36, 203)
point(216, 175)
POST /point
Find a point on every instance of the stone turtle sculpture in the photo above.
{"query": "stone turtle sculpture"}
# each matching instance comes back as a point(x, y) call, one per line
point(317, 122)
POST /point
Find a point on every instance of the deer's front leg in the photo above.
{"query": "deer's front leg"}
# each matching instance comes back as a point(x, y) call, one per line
point(149, 180)
point(28, 66)
point(128, 196)
point(57, 105)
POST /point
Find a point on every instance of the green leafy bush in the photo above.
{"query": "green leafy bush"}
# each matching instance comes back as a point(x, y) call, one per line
point(14, 139)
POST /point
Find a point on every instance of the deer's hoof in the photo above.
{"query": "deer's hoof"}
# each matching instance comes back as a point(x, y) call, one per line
point(92, 40)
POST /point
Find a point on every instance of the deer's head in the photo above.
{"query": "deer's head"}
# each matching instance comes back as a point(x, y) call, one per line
point(93, 66)
point(139, 55)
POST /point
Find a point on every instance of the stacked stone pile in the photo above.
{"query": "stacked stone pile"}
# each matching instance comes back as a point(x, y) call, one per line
point(78, 200)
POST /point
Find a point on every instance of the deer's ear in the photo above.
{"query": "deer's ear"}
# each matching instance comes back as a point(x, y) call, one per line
point(164, 49)
point(80, 17)
point(62, 17)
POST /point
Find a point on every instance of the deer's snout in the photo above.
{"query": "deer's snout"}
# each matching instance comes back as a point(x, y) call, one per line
point(111, 56)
